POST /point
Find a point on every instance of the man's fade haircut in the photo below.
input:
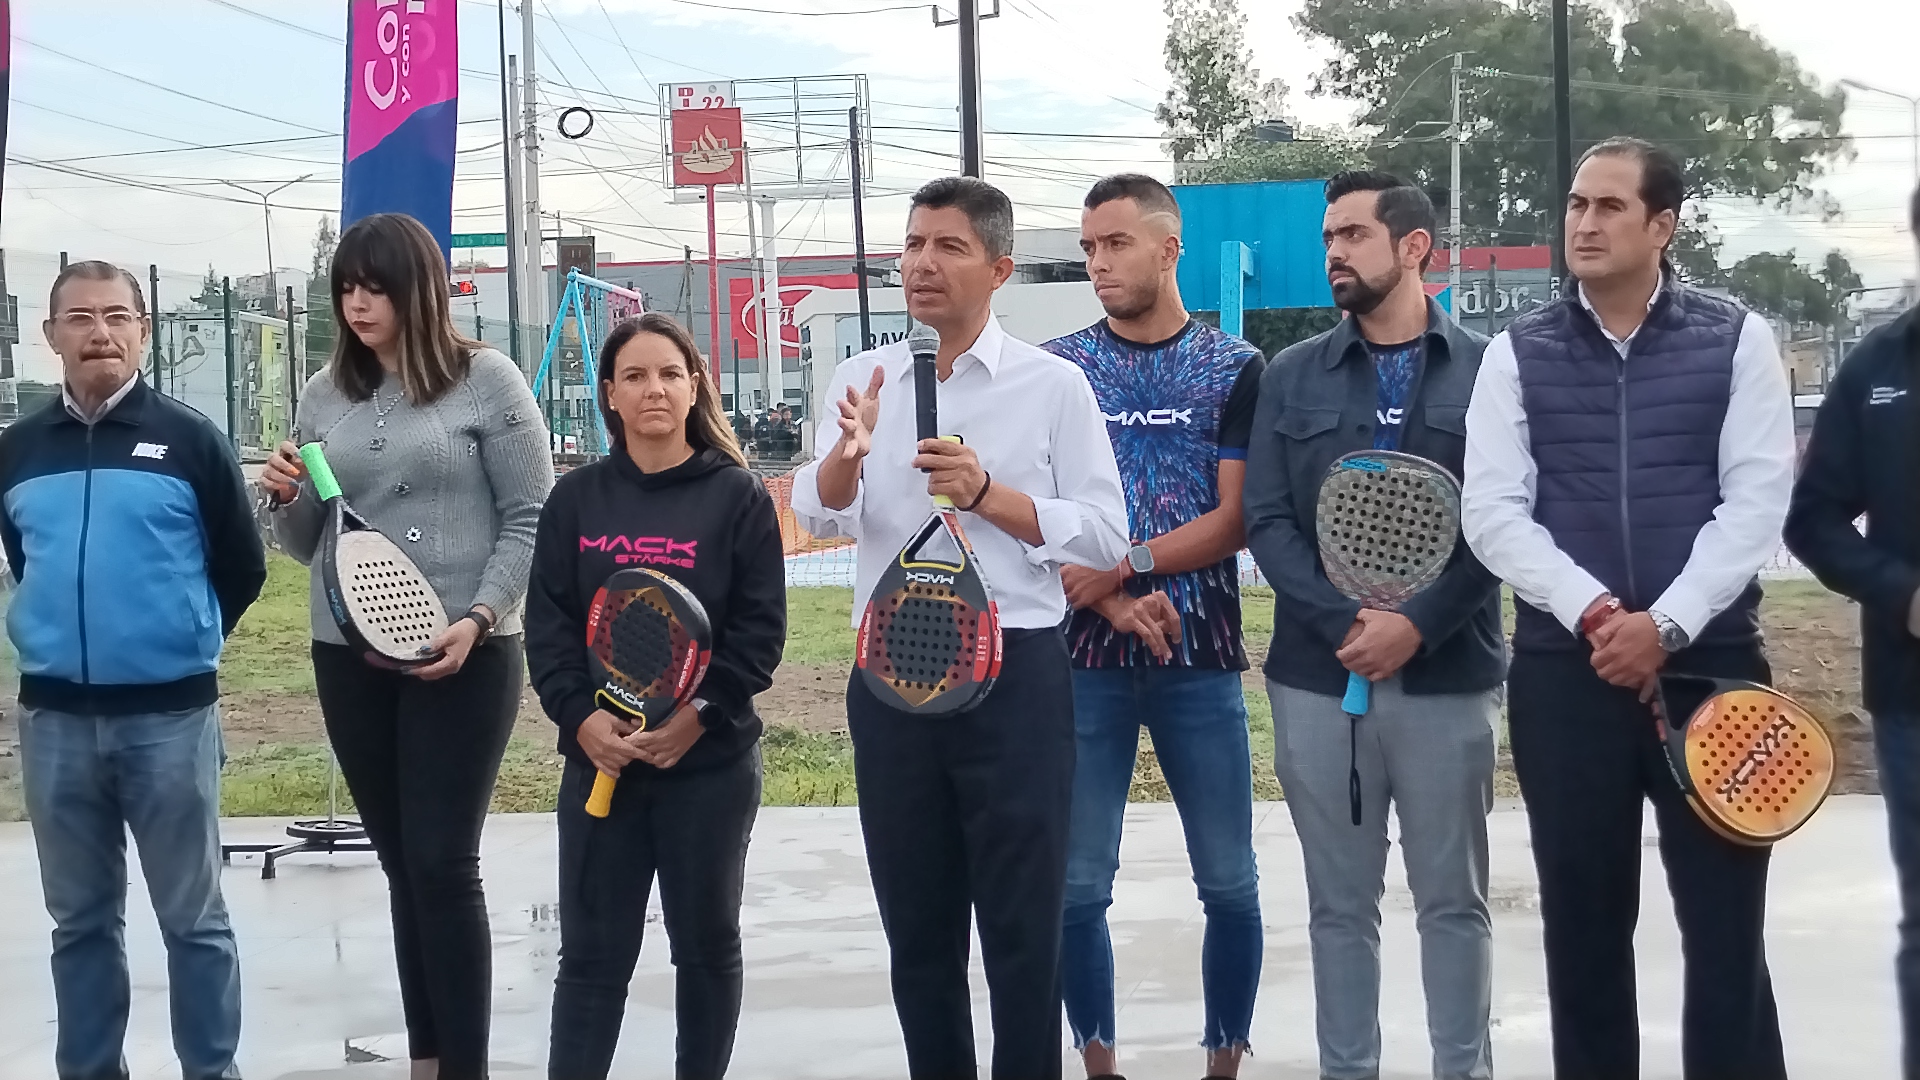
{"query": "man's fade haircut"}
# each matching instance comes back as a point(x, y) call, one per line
point(988, 209)
point(1152, 196)
point(1663, 180)
point(1401, 207)
point(95, 270)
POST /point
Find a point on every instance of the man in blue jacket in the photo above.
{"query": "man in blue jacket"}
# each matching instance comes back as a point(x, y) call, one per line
point(1860, 461)
point(127, 526)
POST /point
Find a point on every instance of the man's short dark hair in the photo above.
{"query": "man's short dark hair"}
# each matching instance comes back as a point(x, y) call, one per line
point(1663, 180)
point(1152, 196)
point(94, 270)
point(1400, 206)
point(988, 209)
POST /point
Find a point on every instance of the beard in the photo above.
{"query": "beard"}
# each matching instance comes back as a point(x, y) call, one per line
point(1359, 296)
point(1133, 302)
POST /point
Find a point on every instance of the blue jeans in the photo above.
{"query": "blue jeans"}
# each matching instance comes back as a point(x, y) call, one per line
point(89, 779)
point(1198, 720)
point(1896, 742)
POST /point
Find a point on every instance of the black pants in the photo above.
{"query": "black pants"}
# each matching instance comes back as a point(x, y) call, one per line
point(1587, 755)
point(967, 815)
point(421, 758)
point(691, 830)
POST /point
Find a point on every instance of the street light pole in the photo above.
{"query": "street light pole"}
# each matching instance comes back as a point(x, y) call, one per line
point(266, 211)
point(1913, 104)
point(1562, 138)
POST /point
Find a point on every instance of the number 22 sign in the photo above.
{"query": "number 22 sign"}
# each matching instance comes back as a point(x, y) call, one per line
point(712, 95)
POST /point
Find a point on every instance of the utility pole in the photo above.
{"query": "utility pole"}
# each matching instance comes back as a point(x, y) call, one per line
point(266, 211)
point(153, 306)
point(971, 133)
point(1562, 141)
point(1454, 226)
point(859, 228)
point(233, 377)
point(534, 265)
point(293, 367)
point(508, 144)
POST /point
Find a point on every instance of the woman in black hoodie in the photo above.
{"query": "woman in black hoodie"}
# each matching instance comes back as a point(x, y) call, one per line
point(674, 495)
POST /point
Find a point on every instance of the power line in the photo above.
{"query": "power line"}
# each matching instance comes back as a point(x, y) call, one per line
point(165, 89)
point(773, 11)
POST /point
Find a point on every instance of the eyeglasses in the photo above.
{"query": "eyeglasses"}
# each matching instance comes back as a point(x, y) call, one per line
point(81, 320)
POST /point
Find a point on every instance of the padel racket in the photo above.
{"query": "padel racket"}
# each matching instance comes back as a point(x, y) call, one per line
point(379, 600)
point(1387, 524)
point(649, 642)
point(929, 640)
point(1752, 763)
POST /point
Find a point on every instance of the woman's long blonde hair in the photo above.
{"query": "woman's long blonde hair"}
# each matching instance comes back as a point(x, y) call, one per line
point(707, 426)
point(396, 256)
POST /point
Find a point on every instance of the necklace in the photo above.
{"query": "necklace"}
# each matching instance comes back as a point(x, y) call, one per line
point(380, 414)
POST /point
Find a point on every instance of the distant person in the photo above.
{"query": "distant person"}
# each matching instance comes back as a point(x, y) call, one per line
point(1629, 458)
point(128, 528)
point(689, 788)
point(763, 434)
point(1394, 375)
point(789, 432)
point(1156, 639)
point(965, 816)
point(438, 443)
point(1860, 462)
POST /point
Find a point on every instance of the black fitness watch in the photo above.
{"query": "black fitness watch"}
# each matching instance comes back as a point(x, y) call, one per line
point(479, 619)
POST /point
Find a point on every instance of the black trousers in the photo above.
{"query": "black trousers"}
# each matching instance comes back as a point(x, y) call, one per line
point(967, 816)
point(1587, 755)
point(421, 758)
point(691, 830)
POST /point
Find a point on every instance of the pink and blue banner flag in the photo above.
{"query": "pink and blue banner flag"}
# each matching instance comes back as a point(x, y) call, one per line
point(403, 102)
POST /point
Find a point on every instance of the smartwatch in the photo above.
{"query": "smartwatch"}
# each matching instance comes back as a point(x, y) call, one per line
point(1140, 559)
point(479, 619)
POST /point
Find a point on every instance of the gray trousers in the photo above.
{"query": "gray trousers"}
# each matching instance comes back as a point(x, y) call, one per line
point(1432, 756)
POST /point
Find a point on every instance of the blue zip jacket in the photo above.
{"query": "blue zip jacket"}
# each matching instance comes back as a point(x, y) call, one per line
point(135, 552)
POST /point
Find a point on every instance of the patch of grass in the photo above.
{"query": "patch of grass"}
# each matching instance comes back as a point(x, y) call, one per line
point(288, 780)
point(269, 650)
point(819, 627)
point(806, 769)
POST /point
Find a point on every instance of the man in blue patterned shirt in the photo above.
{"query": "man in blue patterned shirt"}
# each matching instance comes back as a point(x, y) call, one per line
point(1156, 640)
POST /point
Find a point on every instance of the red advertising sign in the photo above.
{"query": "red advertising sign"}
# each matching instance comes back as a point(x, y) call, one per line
point(707, 148)
point(744, 301)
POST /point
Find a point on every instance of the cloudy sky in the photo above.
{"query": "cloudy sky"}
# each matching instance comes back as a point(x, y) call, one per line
point(124, 93)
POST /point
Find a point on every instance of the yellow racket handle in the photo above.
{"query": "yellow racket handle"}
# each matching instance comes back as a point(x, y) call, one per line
point(600, 803)
point(942, 501)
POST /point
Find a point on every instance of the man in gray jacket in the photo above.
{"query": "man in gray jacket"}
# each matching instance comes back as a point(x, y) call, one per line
point(1396, 375)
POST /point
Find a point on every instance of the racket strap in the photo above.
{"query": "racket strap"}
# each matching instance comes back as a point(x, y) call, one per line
point(1353, 767)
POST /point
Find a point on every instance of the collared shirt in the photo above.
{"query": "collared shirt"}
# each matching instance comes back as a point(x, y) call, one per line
point(1757, 453)
point(73, 405)
point(1033, 420)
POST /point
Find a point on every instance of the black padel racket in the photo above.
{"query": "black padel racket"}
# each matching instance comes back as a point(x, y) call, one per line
point(1387, 523)
point(649, 642)
point(929, 640)
point(379, 600)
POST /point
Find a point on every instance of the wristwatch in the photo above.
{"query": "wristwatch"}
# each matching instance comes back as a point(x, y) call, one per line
point(479, 619)
point(1672, 637)
point(701, 707)
point(1140, 559)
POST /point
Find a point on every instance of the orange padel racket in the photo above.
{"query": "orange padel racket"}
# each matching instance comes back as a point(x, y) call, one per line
point(1752, 763)
point(929, 640)
point(649, 642)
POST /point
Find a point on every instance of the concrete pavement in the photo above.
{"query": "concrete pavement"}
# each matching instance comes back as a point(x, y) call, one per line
point(322, 1003)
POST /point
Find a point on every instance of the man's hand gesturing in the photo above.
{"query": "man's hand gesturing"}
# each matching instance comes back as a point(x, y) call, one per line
point(858, 415)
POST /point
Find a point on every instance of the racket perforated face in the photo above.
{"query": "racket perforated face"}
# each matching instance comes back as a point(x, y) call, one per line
point(391, 603)
point(1760, 764)
point(1387, 524)
point(649, 637)
point(930, 639)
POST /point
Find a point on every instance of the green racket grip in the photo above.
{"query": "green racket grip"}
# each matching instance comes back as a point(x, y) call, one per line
point(942, 501)
point(315, 459)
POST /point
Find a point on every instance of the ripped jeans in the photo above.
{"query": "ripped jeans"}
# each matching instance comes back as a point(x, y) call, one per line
point(1198, 722)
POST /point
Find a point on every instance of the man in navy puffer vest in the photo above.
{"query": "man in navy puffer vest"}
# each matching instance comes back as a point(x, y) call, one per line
point(1630, 455)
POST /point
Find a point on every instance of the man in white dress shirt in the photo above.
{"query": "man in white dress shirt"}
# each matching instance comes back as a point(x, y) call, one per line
point(1630, 454)
point(965, 816)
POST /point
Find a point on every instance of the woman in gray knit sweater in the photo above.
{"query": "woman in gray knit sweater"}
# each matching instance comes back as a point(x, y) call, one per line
point(437, 442)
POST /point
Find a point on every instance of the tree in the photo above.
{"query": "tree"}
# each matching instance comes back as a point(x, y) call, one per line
point(1216, 94)
point(1775, 283)
point(1747, 122)
point(1319, 154)
point(320, 327)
